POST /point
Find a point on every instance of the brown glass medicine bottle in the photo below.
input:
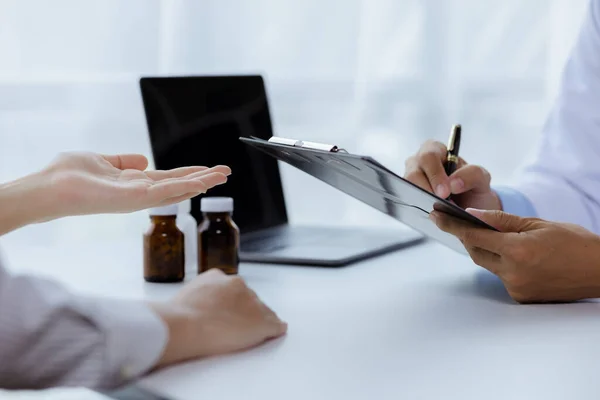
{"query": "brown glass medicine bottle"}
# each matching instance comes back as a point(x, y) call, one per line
point(218, 236)
point(164, 257)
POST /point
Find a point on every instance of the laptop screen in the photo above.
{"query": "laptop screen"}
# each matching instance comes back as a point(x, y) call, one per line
point(198, 121)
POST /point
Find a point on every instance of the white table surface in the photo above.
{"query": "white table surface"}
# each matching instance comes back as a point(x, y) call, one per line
point(421, 323)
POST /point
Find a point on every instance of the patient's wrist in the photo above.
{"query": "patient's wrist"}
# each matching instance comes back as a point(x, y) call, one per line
point(25, 201)
point(177, 322)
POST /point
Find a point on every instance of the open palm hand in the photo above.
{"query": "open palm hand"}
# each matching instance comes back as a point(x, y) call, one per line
point(89, 183)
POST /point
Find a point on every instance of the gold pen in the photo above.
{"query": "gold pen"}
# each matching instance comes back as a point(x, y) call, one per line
point(452, 152)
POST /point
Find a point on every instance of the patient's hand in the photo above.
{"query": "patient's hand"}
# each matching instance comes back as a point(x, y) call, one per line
point(88, 183)
point(215, 314)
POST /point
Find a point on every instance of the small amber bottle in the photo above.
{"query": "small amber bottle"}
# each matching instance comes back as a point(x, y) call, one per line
point(218, 236)
point(164, 256)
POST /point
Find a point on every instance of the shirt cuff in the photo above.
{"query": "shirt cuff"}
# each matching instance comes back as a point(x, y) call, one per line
point(63, 393)
point(135, 337)
point(515, 202)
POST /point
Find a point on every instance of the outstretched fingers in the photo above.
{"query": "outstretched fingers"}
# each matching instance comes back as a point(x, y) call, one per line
point(180, 188)
point(159, 175)
point(187, 172)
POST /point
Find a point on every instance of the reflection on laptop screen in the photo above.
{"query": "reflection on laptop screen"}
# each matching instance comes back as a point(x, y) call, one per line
point(198, 120)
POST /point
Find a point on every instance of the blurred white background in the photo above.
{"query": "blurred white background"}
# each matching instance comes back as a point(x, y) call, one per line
point(374, 76)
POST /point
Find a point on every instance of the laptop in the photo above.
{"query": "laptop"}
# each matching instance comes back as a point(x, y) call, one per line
point(198, 120)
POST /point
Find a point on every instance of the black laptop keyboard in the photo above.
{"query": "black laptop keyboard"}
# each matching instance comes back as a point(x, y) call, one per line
point(266, 244)
point(275, 241)
point(263, 246)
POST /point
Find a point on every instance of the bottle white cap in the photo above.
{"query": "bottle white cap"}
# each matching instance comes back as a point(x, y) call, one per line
point(164, 210)
point(216, 204)
point(185, 207)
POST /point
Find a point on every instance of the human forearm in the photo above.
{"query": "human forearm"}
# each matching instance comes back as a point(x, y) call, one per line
point(25, 201)
point(561, 178)
point(49, 337)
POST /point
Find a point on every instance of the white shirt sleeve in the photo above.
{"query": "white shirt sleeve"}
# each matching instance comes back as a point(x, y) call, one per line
point(514, 202)
point(563, 180)
point(50, 337)
point(54, 393)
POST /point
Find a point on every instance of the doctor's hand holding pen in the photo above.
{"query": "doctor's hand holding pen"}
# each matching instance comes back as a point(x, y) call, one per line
point(537, 260)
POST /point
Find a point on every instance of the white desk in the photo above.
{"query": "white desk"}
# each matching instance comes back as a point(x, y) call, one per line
point(422, 323)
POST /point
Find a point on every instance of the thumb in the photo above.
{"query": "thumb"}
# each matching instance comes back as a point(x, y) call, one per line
point(500, 220)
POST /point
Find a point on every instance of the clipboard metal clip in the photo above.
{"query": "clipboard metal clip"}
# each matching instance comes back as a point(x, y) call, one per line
point(306, 145)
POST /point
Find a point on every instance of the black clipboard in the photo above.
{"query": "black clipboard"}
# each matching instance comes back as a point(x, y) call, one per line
point(366, 180)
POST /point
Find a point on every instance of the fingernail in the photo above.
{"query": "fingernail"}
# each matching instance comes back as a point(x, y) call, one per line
point(457, 185)
point(433, 217)
point(228, 169)
point(440, 190)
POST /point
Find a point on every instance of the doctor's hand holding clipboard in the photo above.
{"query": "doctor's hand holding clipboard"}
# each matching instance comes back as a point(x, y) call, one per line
point(537, 260)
